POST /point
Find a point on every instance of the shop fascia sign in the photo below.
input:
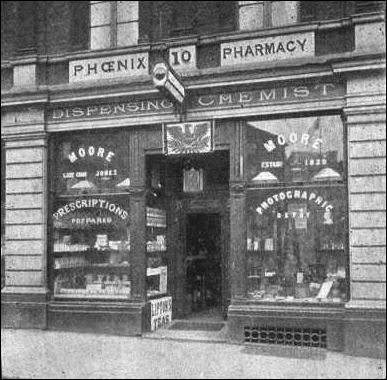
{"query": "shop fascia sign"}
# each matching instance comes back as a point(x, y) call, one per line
point(267, 49)
point(168, 82)
point(121, 66)
point(293, 92)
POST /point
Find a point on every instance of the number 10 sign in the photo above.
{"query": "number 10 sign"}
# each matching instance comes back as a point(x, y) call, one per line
point(183, 58)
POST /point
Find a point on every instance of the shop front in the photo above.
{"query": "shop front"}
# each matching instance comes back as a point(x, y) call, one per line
point(239, 216)
point(237, 203)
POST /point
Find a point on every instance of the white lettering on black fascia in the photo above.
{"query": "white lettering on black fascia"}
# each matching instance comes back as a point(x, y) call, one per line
point(109, 109)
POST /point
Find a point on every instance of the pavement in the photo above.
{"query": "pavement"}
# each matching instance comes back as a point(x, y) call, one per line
point(36, 354)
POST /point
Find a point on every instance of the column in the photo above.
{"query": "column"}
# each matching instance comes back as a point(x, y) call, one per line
point(137, 214)
point(24, 295)
point(365, 328)
point(238, 234)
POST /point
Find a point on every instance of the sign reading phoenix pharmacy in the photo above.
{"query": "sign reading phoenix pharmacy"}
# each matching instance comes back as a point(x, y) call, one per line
point(268, 49)
point(129, 65)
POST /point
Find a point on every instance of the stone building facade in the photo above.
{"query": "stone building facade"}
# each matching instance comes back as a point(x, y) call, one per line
point(92, 184)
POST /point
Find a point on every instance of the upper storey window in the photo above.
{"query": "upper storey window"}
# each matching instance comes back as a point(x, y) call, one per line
point(113, 24)
point(266, 14)
point(169, 19)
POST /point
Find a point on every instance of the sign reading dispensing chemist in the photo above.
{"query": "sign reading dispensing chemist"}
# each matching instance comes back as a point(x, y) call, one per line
point(268, 49)
point(129, 65)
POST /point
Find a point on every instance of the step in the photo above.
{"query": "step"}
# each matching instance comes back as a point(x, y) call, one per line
point(186, 330)
point(196, 325)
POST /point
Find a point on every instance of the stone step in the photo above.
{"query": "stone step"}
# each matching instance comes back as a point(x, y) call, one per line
point(196, 325)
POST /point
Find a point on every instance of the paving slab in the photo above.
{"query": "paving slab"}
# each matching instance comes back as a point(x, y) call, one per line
point(35, 354)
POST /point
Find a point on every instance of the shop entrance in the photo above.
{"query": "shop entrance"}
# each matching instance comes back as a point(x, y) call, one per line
point(203, 263)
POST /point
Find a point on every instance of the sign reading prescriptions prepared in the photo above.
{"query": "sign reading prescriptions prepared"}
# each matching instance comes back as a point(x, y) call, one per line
point(268, 49)
point(129, 65)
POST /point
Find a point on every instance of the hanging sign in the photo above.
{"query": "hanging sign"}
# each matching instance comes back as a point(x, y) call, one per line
point(189, 138)
point(165, 80)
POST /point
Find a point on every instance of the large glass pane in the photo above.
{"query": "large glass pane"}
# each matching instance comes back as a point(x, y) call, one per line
point(251, 16)
point(284, 12)
point(127, 11)
point(156, 230)
point(92, 164)
point(127, 34)
point(100, 13)
point(91, 247)
point(90, 217)
point(100, 37)
point(296, 244)
point(308, 149)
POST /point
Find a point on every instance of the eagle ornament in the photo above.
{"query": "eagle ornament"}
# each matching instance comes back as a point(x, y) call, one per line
point(189, 138)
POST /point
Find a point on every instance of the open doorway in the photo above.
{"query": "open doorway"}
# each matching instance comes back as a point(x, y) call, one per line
point(204, 264)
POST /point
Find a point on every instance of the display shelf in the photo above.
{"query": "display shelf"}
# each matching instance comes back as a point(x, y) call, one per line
point(94, 296)
point(94, 266)
point(90, 251)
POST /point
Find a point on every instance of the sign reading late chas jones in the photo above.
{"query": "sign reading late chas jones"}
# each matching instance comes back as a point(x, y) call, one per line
point(129, 65)
point(296, 92)
point(268, 49)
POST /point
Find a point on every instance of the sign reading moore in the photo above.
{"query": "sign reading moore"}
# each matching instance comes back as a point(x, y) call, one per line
point(129, 65)
point(268, 49)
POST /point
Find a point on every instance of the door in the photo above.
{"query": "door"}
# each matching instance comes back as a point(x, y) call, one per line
point(203, 262)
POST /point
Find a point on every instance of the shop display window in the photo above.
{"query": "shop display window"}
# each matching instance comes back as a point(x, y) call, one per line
point(156, 230)
point(306, 149)
point(296, 211)
point(90, 218)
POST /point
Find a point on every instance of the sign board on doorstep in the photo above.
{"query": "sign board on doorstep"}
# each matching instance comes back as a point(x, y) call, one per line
point(161, 313)
point(268, 49)
point(122, 66)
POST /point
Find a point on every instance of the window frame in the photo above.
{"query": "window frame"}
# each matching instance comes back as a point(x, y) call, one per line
point(57, 196)
point(113, 25)
point(252, 188)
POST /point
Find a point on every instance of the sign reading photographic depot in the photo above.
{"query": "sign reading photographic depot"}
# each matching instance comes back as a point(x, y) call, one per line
point(129, 65)
point(268, 49)
point(188, 138)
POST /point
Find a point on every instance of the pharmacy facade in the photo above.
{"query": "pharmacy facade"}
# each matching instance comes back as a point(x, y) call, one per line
point(258, 188)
